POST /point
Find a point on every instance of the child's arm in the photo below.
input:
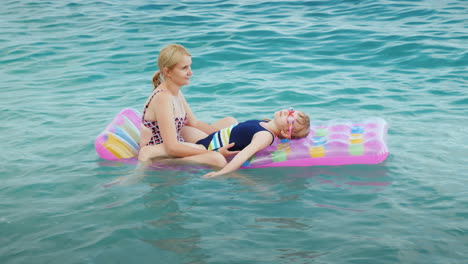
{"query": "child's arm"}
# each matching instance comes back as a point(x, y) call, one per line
point(260, 141)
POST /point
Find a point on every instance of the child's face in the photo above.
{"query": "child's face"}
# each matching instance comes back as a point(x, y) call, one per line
point(285, 118)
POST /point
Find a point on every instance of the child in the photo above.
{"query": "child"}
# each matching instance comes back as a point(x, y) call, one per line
point(254, 135)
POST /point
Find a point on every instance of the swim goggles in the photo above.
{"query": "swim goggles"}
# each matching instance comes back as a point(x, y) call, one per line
point(290, 120)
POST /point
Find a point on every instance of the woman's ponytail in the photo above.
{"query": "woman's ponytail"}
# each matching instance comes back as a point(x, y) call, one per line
point(156, 79)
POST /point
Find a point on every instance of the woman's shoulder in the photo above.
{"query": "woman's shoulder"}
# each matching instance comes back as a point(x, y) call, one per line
point(158, 97)
point(161, 93)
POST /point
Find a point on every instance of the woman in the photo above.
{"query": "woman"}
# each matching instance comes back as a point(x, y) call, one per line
point(167, 119)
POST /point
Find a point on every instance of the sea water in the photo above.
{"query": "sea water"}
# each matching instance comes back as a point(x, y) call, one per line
point(67, 67)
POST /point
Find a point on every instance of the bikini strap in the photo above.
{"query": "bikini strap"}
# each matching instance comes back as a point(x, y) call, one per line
point(147, 104)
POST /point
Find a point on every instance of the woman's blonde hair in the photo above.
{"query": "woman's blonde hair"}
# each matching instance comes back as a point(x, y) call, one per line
point(168, 57)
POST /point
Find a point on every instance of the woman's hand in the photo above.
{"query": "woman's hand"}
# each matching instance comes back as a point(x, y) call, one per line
point(225, 150)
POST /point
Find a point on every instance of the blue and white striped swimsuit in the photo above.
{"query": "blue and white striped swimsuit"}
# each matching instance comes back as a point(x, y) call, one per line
point(241, 134)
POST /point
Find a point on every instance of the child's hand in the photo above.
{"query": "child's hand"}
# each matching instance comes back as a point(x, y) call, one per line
point(212, 174)
point(225, 152)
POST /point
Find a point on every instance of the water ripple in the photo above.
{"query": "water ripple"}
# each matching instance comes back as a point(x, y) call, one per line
point(69, 67)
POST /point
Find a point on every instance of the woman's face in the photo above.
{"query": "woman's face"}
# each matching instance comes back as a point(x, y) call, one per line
point(182, 71)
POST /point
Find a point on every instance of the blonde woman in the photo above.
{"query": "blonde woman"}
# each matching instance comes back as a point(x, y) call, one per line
point(168, 124)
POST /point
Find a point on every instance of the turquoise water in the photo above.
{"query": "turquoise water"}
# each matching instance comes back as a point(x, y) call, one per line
point(68, 67)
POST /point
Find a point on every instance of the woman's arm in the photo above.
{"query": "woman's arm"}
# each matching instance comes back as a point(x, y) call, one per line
point(260, 141)
point(162, 104)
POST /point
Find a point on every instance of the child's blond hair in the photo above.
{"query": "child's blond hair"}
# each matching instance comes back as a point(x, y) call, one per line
point(304, 121)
